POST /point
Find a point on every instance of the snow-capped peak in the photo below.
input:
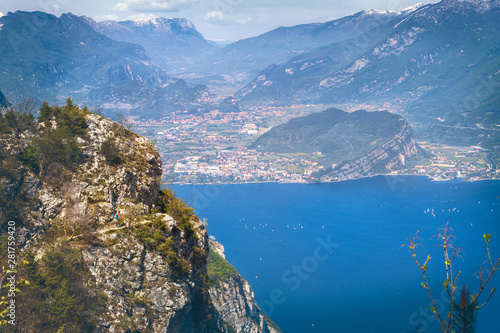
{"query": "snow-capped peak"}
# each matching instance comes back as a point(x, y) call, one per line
point(379, 11)
point(147, 20)
point(160, 22)
point(412, 8)
point(393, 12)
point(186, 24)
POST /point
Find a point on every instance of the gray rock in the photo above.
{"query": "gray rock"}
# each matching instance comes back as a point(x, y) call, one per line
point(145, 289)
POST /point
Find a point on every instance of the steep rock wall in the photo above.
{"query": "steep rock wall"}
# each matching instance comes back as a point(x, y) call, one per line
point(149, 269)
point(383, 159)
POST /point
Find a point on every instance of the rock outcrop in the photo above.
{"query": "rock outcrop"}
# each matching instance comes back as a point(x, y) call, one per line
point(234, 299)
point(385, 158)
point(146, 269)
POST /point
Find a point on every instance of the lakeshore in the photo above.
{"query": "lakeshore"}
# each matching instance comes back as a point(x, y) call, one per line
point(212, 148)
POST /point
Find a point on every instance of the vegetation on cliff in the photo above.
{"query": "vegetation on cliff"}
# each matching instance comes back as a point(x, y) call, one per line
point(12, 200)
point(100, 247)
point(218, 268)
point(56, 296)
point(55, 147)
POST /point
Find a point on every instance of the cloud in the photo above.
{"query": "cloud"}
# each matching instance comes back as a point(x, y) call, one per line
point(214, 16)
point(153, 5)
point(108, 17)
point(218, 17)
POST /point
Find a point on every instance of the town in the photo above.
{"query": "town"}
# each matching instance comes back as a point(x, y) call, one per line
point(214, 148)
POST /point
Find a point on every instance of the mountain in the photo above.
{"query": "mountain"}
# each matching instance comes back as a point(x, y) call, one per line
point(173, 44)
point(352, 145)
point(440, 64)
point(49, 58)
point(3, 101)
point(102, 248)
point(240, 61)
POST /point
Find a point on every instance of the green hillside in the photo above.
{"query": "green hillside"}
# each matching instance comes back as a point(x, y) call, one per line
point(339, 136)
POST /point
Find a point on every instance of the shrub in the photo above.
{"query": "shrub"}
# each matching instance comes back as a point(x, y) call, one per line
point(13, 196)
point(57, 298)
point(168, 203)
point(31, 157)
point(110, 151)
point(155, 238)
point(55, 146)
point(218, 269)
point(16, 121)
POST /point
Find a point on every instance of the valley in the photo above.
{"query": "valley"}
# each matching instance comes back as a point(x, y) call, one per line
point(214, 148)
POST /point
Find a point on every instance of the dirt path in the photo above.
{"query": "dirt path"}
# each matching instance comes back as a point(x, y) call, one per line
point(103, 231)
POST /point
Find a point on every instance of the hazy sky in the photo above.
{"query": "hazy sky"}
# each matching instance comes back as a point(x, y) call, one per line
point(215, 19)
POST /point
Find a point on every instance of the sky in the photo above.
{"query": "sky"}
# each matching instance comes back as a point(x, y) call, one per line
point(218, 20)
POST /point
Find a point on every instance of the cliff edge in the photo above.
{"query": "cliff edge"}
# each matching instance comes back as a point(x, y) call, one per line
point(100, 246)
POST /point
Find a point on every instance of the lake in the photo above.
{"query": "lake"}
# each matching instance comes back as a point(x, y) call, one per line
point(328, 257)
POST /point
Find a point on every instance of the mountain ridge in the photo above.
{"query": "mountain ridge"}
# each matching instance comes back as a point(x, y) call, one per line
point(48, 57)
point(247, 57)
point(439, 55)
point(171, 43)
point(352, 144)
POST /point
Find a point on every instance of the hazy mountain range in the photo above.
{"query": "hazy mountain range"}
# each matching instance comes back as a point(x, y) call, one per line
point(51, 58)
point(173, 44)
point(438, 65)
point(244, 59)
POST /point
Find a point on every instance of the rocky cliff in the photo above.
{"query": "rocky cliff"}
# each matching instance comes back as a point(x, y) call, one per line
point(102, 247)
point(381, 160)
point(233, 296)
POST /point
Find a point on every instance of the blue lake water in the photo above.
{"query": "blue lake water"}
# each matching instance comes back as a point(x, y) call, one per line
point(328, 257)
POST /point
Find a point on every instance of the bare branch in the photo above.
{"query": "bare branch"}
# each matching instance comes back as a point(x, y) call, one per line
point(450, 252)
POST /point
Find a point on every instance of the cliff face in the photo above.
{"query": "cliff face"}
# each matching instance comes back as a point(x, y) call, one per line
point(146, 270)
point(143, 290)
point(383, 159)
point(234, 299)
